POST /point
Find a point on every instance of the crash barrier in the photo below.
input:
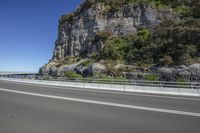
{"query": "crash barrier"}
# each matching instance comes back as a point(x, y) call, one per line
point(169, 88)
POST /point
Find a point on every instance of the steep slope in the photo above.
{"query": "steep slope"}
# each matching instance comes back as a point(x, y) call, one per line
point(105, 34)
point(77, 34)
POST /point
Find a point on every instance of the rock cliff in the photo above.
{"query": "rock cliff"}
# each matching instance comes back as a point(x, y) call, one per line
point(78, 31)
point(128, 38)
point(77, 34)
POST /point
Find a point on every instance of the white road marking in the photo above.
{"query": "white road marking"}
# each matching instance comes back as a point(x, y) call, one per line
point(102, 91)
point(106, 103)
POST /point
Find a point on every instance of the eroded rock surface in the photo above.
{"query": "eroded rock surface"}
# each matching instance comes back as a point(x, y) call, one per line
point(77, 35)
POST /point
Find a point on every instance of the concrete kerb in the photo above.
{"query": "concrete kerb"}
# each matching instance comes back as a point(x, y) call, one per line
point(189, 92)
point(156, 90)
point(122, 88)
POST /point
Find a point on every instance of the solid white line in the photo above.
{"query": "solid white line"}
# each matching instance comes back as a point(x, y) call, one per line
point(101, 91)
point(106, 103)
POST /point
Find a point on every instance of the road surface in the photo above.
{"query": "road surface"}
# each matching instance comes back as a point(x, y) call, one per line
point(29, 108)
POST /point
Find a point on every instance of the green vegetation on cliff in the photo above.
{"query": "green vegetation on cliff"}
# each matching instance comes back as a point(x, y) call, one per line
point(172, 42)
point(72, 75)
point(175, 44)
point(135, 39)
point(189, 7)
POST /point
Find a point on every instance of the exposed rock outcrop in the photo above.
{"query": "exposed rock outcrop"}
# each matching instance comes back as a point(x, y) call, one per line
point(77, 32)
point(77, 35)
point(94, 69)
point(187, 73)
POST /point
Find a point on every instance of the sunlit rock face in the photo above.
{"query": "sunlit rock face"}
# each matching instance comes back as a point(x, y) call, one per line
point(77, 32)
point(78, 35)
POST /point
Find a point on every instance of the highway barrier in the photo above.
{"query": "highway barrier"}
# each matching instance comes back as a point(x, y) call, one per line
point(191, 89)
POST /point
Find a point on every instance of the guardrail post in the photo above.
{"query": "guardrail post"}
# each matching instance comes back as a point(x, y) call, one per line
point(84, 83)
point(160, 84)
point(179, 91)
point(191, 86)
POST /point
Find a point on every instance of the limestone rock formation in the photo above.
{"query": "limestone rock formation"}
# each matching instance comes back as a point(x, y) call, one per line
point(77, 35)
point(77, 31)
point(182, 72)
point(94, 69)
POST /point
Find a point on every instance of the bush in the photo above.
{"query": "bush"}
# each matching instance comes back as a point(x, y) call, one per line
point(72, 74)
point(179, 43)
point(166, 61)
point(151, 77)
point(86, 63)
point(139, 48)
point(66, 18)
point(103, 35)
point(170, 43)
point(46, 78)
point(109, 52)
point(143, 34)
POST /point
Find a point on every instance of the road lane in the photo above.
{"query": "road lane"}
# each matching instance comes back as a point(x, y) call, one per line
point(105, 103)
point(30, 114)
point(188, 105)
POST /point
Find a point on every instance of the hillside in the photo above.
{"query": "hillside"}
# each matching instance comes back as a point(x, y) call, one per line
point(119, 38)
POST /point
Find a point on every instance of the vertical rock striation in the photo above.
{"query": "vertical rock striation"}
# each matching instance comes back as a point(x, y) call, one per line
point(77, 35)
point(77, 31)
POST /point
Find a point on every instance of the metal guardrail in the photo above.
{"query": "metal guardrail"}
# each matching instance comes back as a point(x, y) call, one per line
point(122, 87)
point(164, 84)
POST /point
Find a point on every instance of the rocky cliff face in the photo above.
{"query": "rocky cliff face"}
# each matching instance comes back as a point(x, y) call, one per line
point(78, 31)
point(77, 35)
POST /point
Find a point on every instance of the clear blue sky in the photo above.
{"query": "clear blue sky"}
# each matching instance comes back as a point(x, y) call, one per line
point(28, 30)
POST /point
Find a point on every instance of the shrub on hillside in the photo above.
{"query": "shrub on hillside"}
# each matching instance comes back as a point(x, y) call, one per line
point(72, 74)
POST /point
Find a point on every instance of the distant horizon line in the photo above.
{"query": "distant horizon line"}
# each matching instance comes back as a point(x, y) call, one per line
point(19, 71)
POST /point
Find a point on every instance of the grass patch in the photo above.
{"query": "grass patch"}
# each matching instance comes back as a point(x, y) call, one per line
point(73, 75)
point(151, 77)
point(86, 63)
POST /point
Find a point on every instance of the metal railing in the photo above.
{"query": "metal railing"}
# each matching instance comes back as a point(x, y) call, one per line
point(187, 85)
point(161, 84)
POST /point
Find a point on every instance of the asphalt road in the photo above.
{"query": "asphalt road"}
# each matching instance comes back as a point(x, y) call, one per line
point(28, 108)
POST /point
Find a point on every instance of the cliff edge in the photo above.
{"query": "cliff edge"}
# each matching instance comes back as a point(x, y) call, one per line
point(105, 34)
